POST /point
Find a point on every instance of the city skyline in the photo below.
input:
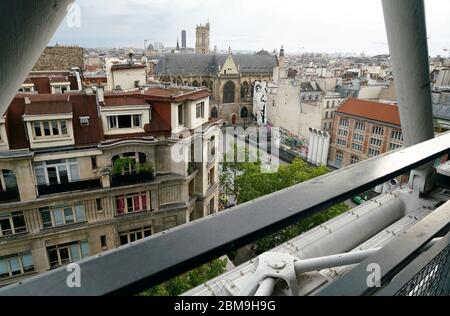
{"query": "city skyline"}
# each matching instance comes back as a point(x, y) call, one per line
point(338, 28)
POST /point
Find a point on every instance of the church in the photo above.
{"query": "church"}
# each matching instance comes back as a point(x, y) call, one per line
point(229, 77)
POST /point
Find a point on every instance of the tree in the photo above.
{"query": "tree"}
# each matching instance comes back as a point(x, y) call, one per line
point(250, 183)
point(189, 280)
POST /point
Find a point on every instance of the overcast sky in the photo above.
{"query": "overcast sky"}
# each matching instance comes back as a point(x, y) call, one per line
point(354, 26)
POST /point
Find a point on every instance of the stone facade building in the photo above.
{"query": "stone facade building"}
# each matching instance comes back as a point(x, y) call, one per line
point(82, 173)
point(363, 129)
point(230, 78)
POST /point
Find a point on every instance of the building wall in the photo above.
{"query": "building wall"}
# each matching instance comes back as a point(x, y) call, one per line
point(126, 78)
point(347, 150)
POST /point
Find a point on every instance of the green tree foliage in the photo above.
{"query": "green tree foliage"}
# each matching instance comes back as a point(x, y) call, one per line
point(246, 182)
point(189, 280)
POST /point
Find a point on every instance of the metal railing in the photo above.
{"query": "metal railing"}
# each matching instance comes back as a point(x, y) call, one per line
point(69, 186)
point(10, 195)
point(130, 179)
point(173, 252)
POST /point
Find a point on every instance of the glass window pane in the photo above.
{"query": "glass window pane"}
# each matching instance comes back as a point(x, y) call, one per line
point(74, 172)
point(63, 176)
point(52, 178)
point(81, 214)
point(55, 129)
point(136, 120)
point(47, 129)
point(84, 249)
point(123, 240)
point(58, 217)
point(19, 223)
point(63, 127)
point(53, 256)
point(124, 121)
point(37, 129)
point(27, 262)
point(5, 226)
point(4, 270)
point(75, 252)
point(40, 176)
point(46, 218)
point(68, 215)
point(15, 266)
point(64, 255)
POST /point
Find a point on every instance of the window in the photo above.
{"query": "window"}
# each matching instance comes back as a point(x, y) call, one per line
point(341, 142)
point(62, 215)
point(377, 131)
point(99, 204)
point(211, 176)
point(357, 147)
point(373, 152)
point(343, 132)
point(200, 110)
point(94, 162)
point(394, 146)
point(211, 149)
point(12, 223)
point(135, 234)
point(354, 160)
point(358, 137)
point(211, 206)
point(131, 203)
point(103, 242)
point(375, 142)
point(229, 92)
point(180, 114)
point(344, 122)
point(328, 104)
point(50, 129)
point(360, 126)
point(125, 121)
point(15, 265)
point(396, 136)
point(67, 253)
point(339, 158)
point(57, 171)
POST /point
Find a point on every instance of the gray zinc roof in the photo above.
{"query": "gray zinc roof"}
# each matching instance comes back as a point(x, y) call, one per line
point(208, 64)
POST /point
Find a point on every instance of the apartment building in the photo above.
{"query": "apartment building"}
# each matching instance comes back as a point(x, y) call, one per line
point(363, 129)
point(84, 172)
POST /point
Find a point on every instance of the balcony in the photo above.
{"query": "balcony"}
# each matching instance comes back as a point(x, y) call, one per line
point(69, 186)
point(131, 179)
point(10, 195)
point(425, 238)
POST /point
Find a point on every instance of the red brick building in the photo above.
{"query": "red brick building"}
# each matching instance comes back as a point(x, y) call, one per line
point(363, 129)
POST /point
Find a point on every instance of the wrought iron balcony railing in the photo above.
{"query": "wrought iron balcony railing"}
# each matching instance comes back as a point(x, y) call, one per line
point(168, 254)
point(69, 186)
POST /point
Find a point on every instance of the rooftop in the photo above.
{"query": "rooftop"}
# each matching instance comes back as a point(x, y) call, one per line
point(381, 112)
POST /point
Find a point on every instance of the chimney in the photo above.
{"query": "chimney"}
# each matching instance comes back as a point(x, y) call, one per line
point(100, 95)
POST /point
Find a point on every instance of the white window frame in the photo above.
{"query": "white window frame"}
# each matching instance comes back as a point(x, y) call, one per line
point(74, 208)
point(113, 122)
point(50, 123)
point(68, 247)
point(66, 163)
point(134, 232)
point(14, 230)
point(19, 257)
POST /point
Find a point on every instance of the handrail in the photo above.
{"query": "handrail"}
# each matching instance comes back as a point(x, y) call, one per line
point(168, 254)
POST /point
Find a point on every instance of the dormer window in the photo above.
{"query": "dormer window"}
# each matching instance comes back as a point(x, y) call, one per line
point(55, 128)
point(125, 121)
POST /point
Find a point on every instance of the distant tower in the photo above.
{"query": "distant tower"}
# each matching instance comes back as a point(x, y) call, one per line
point(178, 45)
point(183, 39)
point(282, 51)
point(202, 39)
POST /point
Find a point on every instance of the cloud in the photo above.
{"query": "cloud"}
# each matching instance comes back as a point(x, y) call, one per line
point(320, 25)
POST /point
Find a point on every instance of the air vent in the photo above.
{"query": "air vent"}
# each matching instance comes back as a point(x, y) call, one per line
point(84, 120)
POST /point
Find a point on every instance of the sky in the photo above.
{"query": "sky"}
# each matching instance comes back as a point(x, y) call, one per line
point(330, 26)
